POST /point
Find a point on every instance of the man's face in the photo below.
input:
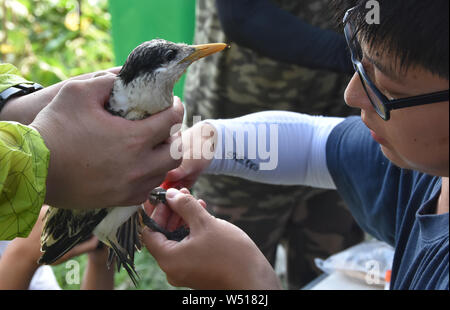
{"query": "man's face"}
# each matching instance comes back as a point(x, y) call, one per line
point(416, 137)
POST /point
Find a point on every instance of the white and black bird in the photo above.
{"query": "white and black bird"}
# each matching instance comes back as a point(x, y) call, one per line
point(143, 87)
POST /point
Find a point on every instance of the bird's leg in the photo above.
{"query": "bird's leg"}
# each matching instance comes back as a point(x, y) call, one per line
point(158, 195)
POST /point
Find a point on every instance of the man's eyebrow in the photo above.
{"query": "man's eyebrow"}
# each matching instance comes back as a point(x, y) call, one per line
point(388, 71)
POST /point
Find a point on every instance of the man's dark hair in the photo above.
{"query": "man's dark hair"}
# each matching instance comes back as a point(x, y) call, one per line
point(415, 32)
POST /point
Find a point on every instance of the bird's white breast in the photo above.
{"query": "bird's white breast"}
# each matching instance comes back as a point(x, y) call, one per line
point(142, 96)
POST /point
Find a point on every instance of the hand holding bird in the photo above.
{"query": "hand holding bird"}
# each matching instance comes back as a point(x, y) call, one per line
point(143, 88)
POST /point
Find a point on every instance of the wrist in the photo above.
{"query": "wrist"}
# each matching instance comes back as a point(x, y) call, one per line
point(23, 254)
point(259, 276)
point(18, 103)
point(9, 111)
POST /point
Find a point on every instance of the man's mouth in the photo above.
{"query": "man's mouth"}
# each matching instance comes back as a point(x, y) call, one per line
point(377, 138)
point(374, 135)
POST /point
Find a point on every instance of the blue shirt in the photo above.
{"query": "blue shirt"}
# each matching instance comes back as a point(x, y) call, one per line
point(392, 204)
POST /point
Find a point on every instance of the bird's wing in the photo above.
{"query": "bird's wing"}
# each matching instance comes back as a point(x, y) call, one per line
point(64, 229)
point(129, 240)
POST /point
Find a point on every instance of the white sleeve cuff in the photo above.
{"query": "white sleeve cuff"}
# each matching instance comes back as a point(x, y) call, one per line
point(274, 147)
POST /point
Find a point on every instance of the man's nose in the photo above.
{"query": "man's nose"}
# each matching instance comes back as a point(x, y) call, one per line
point(355, 96)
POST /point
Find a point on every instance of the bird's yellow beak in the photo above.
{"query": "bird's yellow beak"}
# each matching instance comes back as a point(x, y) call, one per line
point(204, 50)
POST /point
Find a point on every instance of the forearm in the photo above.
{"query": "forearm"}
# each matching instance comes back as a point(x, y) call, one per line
point(24, 109)
point(17, 267)
point(275, 33)
point(274, 147)
point(98, 277)
point(98, 274)
point(17, 109)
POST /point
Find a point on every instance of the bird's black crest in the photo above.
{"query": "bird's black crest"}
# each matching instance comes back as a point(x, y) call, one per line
point(148, 57)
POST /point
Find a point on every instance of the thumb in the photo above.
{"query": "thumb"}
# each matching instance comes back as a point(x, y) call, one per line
point(102, 86)
point(177, 174)
point(156, 243)
point(186, 206)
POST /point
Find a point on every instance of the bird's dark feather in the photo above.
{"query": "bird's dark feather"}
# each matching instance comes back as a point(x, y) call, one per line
point(144, 59)
point(129, 239)
point(66, 231)
point(126, 262)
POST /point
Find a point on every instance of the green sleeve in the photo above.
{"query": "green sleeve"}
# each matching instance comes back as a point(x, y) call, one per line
point(10, 76)
point(24, 160)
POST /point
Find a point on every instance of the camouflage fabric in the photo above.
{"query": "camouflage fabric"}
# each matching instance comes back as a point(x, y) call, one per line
point(309, 222)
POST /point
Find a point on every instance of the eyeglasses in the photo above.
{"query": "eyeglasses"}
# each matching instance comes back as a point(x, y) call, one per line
point(380, 102)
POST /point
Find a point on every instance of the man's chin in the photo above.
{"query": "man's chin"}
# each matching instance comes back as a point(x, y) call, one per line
point(393, 157)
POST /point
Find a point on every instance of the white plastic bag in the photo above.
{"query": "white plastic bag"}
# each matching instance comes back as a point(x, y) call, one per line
point(369, 261)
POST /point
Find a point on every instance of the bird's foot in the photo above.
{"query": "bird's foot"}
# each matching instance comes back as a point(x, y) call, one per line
point(176, 235)
point(158, 195)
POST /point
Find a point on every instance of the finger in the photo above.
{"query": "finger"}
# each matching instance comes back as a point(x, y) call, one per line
point(160, 124)
point(90, 75)
point(177, 174)
point(149, 208)
point(139, 190)
point(161, 215)
point(103, 73)
point(157, 244)
point(173, 222)
point(97, 89)
point(187, 207)
point(166, 162)
point(181, 176)
point(184, 190)
point(86, 246)
point(82, 248)
point(115, 70)
point(202, 203)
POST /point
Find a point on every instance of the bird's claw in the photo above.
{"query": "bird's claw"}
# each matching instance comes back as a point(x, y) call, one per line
point(176, 235)
point(158, 195)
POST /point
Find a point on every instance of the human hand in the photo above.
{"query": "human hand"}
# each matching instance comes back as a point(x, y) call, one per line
point(23, 109)
point(97, 159)
point(29, 247)
point(19, 261)
point(198, 145)
point(215, 255)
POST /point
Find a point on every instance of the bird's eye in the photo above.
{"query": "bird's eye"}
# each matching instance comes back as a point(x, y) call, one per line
point(170, 55)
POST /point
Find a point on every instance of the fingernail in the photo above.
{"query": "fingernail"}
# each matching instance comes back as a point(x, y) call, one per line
point(171, 193)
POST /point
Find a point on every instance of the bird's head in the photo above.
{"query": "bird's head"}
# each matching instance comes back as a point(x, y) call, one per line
point(146, 80)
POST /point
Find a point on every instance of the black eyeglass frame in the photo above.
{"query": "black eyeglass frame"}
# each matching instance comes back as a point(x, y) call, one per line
point(387, 104)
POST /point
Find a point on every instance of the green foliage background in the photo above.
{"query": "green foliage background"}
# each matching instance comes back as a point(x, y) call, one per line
point(50, 41)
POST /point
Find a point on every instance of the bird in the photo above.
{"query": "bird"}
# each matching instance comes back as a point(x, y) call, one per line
point(143, 87)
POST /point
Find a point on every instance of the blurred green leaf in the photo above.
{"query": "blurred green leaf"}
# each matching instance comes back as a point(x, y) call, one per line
point(38, 42)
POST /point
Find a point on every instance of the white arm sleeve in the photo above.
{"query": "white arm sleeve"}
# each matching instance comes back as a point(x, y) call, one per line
point(274, 147)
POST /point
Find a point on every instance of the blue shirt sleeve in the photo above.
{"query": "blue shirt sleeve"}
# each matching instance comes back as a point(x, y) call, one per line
point(365, 178)
point(275, 33)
